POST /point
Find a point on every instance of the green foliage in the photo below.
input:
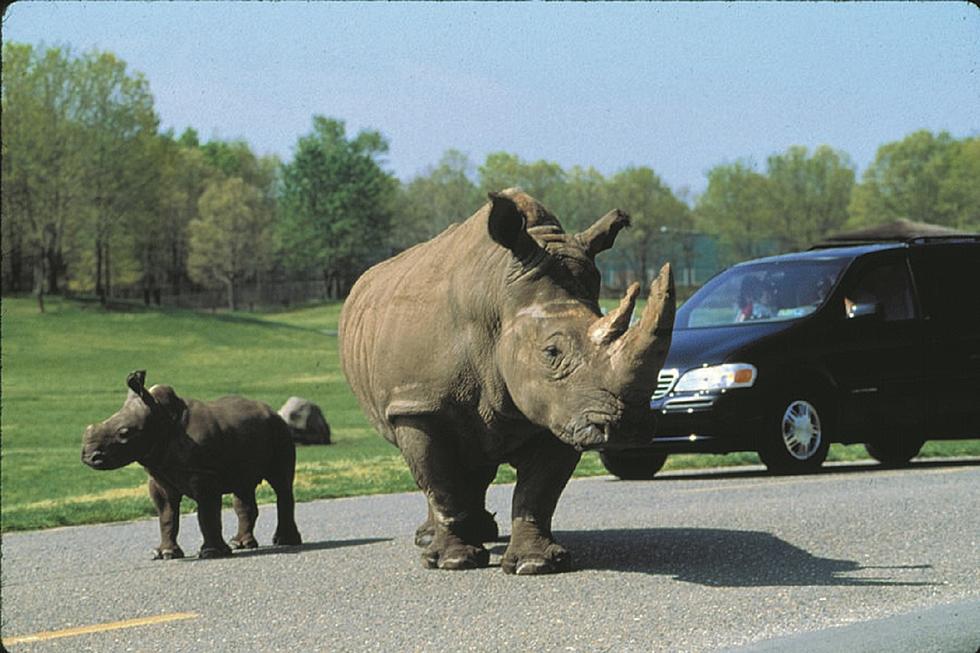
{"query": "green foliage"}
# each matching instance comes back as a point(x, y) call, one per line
point(78, 136)
point(735, 208)
point(431, 202)
point(808, 194)
point(801, 199)
point(95, 198)
point(924, 177)
point(335, 203)
point(544, 180)
point(228, 240)
point(655, 212)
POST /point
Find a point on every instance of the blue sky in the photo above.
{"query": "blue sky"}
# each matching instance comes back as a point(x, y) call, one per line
point(678, 87)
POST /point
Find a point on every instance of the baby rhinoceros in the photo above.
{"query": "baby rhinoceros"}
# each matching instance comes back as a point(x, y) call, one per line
point(201, 450)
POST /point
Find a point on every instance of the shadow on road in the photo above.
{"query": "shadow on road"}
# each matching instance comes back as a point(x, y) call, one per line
point(306, 546)
point(721, 558)
point(830, 468)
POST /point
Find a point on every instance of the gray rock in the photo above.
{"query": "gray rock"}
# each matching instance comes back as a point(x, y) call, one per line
point(306, 421)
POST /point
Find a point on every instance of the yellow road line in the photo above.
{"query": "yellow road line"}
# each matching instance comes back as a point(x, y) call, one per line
point(100, 628)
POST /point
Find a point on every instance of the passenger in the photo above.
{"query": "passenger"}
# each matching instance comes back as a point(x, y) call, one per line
point(754, 299)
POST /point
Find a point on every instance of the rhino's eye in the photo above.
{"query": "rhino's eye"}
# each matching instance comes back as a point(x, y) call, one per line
point(123, 433)
point(552, 353)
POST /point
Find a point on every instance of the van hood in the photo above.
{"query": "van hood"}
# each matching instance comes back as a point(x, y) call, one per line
point(690, 348)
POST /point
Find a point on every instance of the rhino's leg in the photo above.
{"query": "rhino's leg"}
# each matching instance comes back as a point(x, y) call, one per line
point(543, 469)
point(482, 523)
point(281, 478)
point(209, 519)
point(436, 470)
point(168, 508)
point(248, 511)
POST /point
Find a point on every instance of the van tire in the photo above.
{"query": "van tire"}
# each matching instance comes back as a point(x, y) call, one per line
point(637, 465)
point(894, 453)
point(796, 437)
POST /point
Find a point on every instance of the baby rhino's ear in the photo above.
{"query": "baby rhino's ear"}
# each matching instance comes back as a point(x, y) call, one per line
point(164, 397)
point(136, 381)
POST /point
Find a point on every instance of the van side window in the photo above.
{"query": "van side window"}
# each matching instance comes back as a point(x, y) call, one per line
point(886, 285)
point(947, 277)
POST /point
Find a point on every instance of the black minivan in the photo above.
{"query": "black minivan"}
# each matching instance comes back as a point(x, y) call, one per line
point(854, 342)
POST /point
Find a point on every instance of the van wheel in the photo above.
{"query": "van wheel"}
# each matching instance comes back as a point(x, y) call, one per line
point(633, 466)
point(796, 438)
point(894, 453)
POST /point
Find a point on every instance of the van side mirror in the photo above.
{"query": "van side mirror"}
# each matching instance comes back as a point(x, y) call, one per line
point(863, 310)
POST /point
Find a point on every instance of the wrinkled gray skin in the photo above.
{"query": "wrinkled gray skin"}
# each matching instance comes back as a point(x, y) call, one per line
point(486, 345)
point(201, 450)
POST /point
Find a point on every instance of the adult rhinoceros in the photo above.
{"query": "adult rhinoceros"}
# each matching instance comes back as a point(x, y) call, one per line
point(486, 345)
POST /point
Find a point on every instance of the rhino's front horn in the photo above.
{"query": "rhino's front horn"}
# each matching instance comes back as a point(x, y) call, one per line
point(615, 323)
point(642, 351)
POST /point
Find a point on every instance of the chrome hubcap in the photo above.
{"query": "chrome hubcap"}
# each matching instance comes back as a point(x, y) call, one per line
point(801, 429)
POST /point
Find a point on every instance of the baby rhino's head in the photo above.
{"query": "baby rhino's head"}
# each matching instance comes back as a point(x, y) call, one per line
point(146, 419)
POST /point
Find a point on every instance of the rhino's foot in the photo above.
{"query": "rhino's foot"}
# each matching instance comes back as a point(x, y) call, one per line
point(552, 560)
point(168, 554)
point(480, 527)
point(424, 534)
point(455, 556)
point(287, 537)
point(532, 550)
point(214, 552)
point(243, 542)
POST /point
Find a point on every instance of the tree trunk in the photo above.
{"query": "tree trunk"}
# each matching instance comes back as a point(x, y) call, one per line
point(232, 300)
point(108, 273)
point(52, 271)
point(99, 290)
point(39, 279)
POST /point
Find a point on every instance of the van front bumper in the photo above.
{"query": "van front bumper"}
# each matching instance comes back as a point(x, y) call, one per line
point(715, 422)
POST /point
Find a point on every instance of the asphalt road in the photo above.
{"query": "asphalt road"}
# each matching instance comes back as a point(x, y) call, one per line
point(854, 558)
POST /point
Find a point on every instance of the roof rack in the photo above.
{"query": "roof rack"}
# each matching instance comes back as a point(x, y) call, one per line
point(911, 240)
point(897, 231)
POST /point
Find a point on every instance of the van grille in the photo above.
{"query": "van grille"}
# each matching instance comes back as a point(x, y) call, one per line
point(665, 381)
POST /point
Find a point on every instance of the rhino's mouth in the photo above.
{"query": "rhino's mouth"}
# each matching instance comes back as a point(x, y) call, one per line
point(587, 434)
point(99, 459)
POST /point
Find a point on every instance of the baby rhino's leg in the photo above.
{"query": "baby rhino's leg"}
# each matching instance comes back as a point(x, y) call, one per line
point(168, 508)
point(247, 511)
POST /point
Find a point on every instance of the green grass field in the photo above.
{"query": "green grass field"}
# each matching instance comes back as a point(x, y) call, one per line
point(66, 368)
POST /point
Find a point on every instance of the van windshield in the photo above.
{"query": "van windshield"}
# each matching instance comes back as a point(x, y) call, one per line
point(773, 291)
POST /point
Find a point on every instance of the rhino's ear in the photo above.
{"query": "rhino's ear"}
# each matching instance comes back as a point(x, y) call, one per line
point(137, 383)
point(508, 226)
point(601, 236)
point(136, 380)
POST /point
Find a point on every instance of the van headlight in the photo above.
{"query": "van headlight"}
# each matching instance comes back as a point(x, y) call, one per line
point(717, 377)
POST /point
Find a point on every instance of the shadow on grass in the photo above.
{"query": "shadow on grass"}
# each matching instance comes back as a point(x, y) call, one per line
point(721, 558)
point(135, 306)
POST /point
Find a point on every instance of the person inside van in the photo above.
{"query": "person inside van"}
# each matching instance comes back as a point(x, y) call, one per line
point(754, 299)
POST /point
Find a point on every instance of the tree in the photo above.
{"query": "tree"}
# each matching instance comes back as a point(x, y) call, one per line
point(808, 195)
point(543, 180)
point(736, 209)
point(121, 163)
point(905, 181)
point(584, 198)
point(336, 204)
point(41, 164)
point(655, 212)
point(959, 190)
point(228, 240)
point(431, 202)
point(183, 179)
